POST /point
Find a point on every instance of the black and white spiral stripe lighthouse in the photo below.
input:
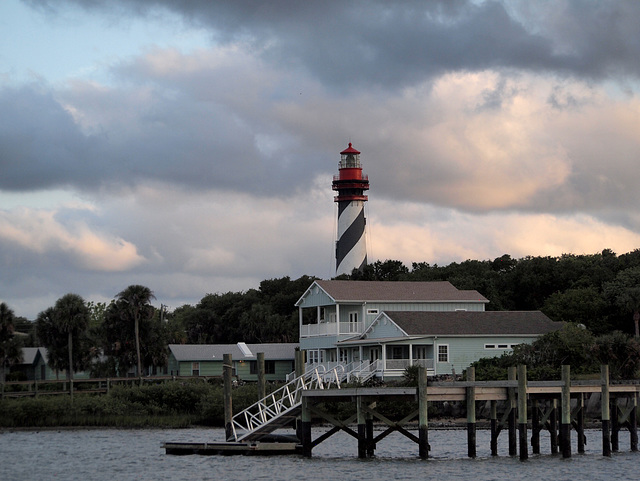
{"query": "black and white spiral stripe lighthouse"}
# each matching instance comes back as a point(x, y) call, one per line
point(351, 246)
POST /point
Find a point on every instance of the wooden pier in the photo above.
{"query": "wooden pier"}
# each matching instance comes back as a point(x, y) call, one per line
point(556, 406)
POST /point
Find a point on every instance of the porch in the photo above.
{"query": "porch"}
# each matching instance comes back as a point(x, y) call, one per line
point(331, 329)
point(364, 370)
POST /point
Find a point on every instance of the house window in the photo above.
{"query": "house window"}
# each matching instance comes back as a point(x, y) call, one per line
point(315, 356)
point(420, 352)
point(353, 321)
point(269, 367)
point(372, 311)
point(195, 368)
point(343, 355)
point(499, 346)
point(396, 352)
point(443, 353)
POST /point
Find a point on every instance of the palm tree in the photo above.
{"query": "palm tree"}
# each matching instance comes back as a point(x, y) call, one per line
point(71, 317)
point(135, 305)
point(10, 351)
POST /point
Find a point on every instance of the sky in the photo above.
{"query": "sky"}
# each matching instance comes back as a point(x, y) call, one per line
point(190, 146)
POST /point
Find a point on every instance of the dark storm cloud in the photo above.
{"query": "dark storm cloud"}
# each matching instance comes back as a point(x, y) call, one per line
point(379, 43)
point(40, 145)
point(184, 141)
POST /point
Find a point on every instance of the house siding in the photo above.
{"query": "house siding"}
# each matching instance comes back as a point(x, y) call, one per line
point(463, 351)
point(384, 328)
point(427, 306)
point(316, 297)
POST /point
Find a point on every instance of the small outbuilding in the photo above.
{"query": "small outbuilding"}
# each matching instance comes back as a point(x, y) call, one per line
point(206, 360)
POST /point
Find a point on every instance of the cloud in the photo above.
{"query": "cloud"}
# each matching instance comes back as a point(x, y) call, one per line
point(419, 234)
point(350, 45)
point(485, 128)
point(46, 234)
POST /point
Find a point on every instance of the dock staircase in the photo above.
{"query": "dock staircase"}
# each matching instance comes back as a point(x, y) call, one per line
point(281, 407)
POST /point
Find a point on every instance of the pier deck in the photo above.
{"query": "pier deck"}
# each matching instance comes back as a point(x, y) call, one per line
point(549, 403)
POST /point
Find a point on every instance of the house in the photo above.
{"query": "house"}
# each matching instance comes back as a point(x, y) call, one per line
point(444, 342)
point(387, 326)
point(206, 360)
point(34, 366)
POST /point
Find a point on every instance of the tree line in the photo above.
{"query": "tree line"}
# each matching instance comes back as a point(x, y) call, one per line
point(600, 292)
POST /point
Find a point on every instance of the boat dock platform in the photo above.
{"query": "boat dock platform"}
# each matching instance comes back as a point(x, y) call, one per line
point(256, 448)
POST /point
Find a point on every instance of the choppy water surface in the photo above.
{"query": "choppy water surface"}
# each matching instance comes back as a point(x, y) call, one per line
point(120, 455)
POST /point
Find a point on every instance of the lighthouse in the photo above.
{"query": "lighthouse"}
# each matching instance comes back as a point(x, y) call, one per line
point(350, 185)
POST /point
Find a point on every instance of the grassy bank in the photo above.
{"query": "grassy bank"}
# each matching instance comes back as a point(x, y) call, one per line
point(172, 404)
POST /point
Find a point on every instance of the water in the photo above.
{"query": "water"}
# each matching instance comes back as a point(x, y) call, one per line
point(122, 455)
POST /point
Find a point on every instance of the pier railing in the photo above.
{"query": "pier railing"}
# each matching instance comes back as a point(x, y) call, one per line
point(279, 407)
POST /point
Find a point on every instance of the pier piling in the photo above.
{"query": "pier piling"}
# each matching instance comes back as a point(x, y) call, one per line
point(565, 424)
point(633, 425)
point(471, 413)
point(262, 385)
point(535, 427)
point(522, 411)
point(513, 443)
point(494, 428)
point(423, 412)
point(228, 407)
point(604, 401)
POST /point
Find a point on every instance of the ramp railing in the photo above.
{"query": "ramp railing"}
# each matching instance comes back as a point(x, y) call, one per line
point(263, 416)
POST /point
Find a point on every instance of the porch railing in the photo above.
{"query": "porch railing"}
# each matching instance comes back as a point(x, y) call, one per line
point(402, 364)
point(331, 329)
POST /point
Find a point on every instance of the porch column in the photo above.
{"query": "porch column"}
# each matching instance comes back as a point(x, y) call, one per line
point(300, 318)
point(410, 354)
point(337, 319)
point(384, 359)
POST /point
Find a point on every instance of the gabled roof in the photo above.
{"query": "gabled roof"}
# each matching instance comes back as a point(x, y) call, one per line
point(470, 323)
point(395, 291)
point(215, 352)
point(29, 354)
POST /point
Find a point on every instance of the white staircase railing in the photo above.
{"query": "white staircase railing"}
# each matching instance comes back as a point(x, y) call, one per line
point(270, 413)
point(363, 370)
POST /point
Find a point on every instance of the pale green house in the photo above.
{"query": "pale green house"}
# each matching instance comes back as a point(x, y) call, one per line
point(206, 360)
point(379, 328)
point(444, 342)
point(35, 368)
